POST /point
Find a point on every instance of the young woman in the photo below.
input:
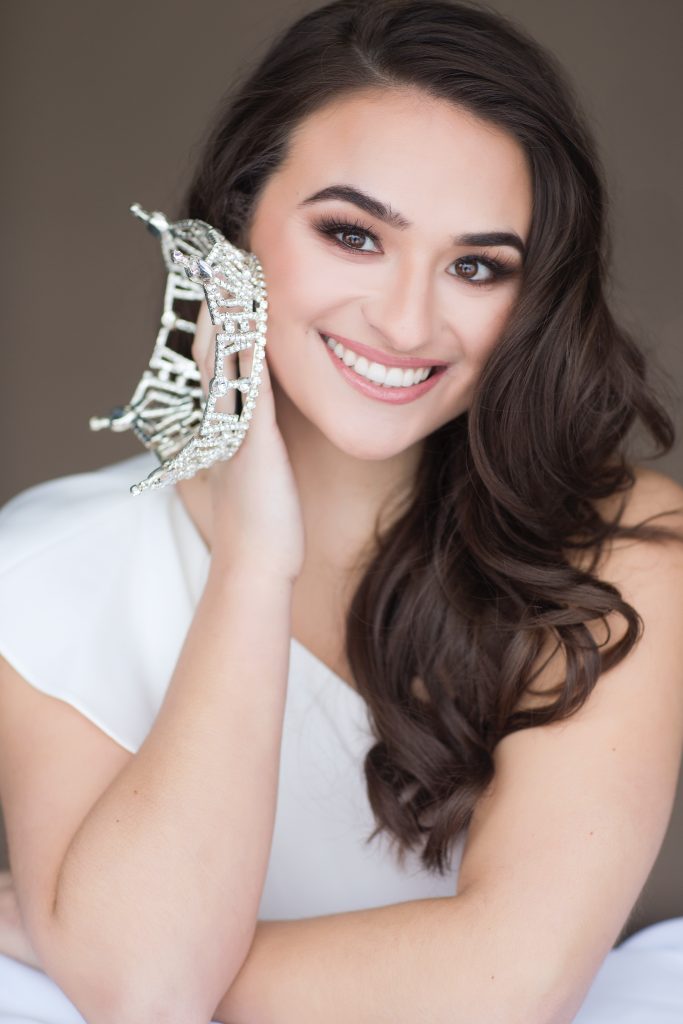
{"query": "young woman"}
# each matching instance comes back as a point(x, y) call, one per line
point(382, 718)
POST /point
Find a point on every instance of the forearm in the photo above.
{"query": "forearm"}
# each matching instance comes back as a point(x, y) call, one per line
point(432, 961)
point(196, 802)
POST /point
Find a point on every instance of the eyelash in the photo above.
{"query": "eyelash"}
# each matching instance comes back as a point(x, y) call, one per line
point(329, 226)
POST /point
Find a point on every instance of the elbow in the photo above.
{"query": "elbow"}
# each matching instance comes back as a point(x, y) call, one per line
point(100, 1000)
point(104, 990)
point(143, 1013)
point(556, 1002)
point(525, 973)
point(530, 996)
point(565, 1014)
point(558, 1010)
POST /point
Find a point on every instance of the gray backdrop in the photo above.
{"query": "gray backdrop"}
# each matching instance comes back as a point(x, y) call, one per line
point(105, 104)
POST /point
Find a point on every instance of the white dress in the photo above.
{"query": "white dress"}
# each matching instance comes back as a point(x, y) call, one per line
point(129, 571)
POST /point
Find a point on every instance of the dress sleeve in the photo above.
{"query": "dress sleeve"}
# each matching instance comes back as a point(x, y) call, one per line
point(94, 606)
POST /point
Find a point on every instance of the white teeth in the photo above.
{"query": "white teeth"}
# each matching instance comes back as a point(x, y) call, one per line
point(389, 376)
point(394, 377)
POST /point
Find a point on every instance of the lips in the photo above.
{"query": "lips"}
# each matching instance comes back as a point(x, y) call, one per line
point(363, 352)
point(373, 355)
point(391, 395)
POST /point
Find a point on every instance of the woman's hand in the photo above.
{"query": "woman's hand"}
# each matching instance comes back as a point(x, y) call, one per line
point(256, 513)
point(14, 941)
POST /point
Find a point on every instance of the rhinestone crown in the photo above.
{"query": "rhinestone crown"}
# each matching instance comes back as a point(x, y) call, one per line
point(168, 411)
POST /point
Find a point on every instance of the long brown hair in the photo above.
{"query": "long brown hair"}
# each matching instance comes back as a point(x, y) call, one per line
point(466, 584)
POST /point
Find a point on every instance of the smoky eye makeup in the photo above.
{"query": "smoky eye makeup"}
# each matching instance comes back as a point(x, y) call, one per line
point(329, 226)
point(497, 267)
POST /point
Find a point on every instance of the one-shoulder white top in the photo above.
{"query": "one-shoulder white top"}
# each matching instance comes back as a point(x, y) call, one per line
point(109, 583)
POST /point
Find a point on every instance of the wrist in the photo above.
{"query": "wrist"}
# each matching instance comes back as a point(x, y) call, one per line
point(248, 574)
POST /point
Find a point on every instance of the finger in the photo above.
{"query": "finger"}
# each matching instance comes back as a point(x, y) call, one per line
point(246, 332)
point(204, 354)
point(201, 342)
point(237, 331)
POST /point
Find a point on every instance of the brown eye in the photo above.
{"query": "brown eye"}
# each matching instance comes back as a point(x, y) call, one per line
point(339, 230)
point(469, 267)
point(354, 235)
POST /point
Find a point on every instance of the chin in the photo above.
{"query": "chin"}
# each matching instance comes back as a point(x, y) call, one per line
point(370, 438)
point(365, 443)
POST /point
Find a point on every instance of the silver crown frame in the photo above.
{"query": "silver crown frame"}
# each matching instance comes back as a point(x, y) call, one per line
point(168, 411)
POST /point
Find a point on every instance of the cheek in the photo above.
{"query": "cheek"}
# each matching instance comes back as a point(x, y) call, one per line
point(295, 283)
point(304, 283)
point(292, 275)
point(481, 323)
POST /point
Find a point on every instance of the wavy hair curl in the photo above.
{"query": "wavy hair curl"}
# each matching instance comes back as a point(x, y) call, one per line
point(474, 573)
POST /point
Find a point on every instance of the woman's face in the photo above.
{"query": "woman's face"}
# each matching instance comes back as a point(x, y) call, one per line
point(396, 278)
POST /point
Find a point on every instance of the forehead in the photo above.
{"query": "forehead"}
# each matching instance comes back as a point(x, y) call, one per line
point(433, 161)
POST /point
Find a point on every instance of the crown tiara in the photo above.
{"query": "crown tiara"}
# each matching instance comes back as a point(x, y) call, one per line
point(168, 411)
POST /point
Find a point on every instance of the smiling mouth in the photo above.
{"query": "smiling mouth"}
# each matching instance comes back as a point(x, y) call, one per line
point(390, 377)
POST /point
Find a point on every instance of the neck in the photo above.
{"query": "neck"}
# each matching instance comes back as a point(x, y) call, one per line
point(342, 497)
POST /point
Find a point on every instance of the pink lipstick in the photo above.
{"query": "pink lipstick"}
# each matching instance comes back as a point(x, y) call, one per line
point(393, 395)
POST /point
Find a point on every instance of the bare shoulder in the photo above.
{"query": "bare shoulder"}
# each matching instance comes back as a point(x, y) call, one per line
point(647, 573)
point(653, 487)
point(654, 497)
point(653, 492)
point(562, 842)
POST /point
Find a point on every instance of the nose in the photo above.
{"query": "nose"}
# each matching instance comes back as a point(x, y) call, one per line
point(403, 308)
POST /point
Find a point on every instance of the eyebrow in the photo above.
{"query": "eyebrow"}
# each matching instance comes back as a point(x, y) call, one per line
point(383, 211)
